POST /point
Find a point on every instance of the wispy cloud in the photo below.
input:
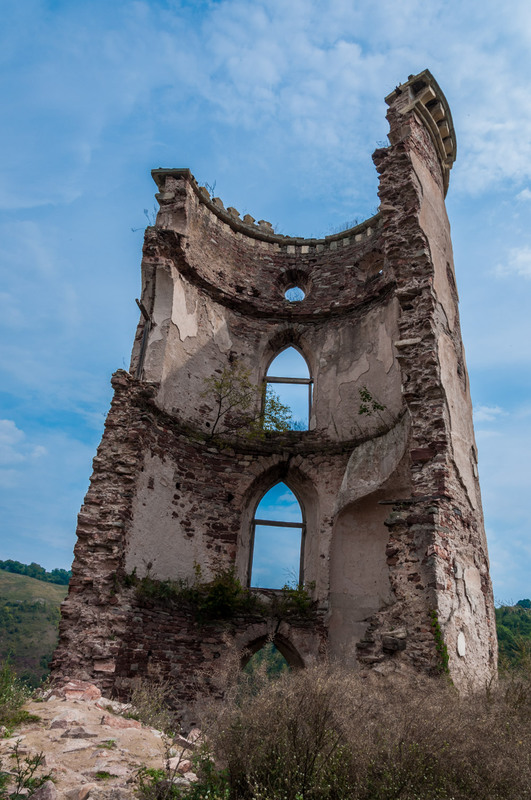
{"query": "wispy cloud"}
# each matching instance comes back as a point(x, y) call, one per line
point(487, 413)
point(44, 476)
point(279, 504)
point(14, 448)
point(518, 263)
point(15, 452)
point(299, 77)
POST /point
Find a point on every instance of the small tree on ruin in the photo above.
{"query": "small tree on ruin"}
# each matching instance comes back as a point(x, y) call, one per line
point(235, 404)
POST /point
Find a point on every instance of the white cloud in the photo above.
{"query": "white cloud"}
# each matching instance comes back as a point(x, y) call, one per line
point(45, 485)
point(487, 413)
point(518, 263)
point(279, 504)
point(295, 73)
point(509, 564)
point(15, 450)
point(308, 74)
point(524, 195)
point(10, 440)
point(504, 474)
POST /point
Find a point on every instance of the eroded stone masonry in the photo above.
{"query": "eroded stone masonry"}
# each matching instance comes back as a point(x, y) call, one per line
point(393, 539)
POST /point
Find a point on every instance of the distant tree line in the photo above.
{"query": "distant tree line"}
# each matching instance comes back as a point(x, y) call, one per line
point(33, 570)
point(513, 625)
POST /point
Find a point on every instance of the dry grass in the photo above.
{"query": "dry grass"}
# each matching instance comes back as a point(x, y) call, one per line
point(149, 705)
point(13, 695)
point(326, 734)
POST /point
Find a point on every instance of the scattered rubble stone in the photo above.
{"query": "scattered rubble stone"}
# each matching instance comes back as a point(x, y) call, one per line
point(78, 733)
point(179, 764)
point(70, 734)
point(79, 792)
point(45, 792)
point(195, 736)
point(77, 690)
point(120, 722)
point(64, 721)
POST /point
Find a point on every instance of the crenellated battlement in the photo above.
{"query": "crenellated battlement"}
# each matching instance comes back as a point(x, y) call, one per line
point(261, 230)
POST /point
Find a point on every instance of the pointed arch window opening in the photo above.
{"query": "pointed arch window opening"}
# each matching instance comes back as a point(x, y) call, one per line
point(292, 363)
point(276, 553)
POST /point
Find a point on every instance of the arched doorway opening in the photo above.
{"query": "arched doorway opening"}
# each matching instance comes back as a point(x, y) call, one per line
point(277, 648)
point(268, 661)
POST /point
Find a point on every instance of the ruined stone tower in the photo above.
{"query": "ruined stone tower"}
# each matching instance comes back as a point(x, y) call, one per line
point(392, 543)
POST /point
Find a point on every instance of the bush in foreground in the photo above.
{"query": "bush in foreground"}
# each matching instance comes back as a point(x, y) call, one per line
point(13, 694)
point(324, 733)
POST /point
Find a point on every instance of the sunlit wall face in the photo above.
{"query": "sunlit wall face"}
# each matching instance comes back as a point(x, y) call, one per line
point(276, 548)
point(297, 397)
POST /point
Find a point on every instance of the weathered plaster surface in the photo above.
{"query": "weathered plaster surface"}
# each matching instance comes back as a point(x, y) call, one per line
point(394, 529)
point(184, 320)
point(154, 520)
point(359, 576)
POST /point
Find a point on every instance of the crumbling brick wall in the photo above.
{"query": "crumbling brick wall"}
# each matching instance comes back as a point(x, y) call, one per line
point(395, 551)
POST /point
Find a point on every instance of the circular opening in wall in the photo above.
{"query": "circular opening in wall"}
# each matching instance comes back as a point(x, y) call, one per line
point(294, 294)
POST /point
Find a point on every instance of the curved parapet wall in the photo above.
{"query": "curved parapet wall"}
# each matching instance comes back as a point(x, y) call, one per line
point(422, 94)
point(244, 264)
point(385, 475)
point(262, 229)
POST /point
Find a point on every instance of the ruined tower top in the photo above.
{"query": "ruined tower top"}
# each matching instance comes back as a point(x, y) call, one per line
point(422, 94)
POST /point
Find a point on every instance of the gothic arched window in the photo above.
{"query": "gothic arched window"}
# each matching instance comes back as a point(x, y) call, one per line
point(277, 540)
point(289, 378)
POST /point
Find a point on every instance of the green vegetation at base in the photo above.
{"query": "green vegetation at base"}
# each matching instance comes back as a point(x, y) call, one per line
point(268, 658)
point(103, 775)
point(22, 775)
point(221, 598)
point(150, 705)
point(13, 695)
point(440, 646)
point(29, 617)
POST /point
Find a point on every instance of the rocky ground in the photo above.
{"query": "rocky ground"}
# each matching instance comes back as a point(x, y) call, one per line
point(91, 749)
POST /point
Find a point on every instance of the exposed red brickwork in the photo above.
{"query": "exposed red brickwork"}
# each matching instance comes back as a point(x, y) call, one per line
point(394, 528)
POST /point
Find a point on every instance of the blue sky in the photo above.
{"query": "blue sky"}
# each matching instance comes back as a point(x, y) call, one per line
point(281, 105)
point(277, 550)
point(289, 363)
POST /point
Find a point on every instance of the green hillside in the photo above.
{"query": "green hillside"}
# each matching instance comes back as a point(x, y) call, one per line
point(513, 625)
point(29, 616)
point(20, 587)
